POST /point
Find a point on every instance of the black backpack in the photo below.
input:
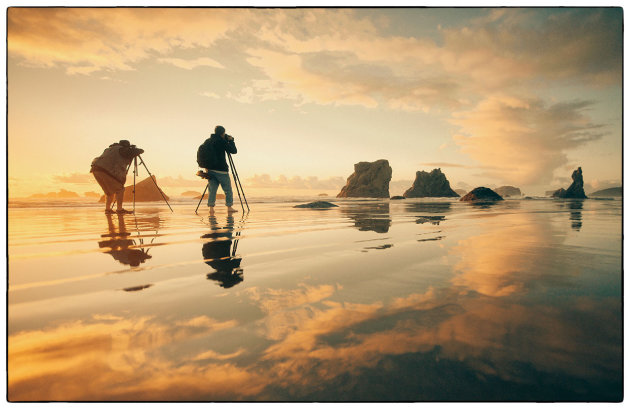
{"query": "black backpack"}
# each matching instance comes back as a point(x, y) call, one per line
point(203, 155)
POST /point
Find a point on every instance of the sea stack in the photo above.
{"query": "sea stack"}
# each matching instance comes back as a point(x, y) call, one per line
point(430, 184)
point(507, 191)
point(146, 191)
point(481, 194)
point(370, 179)
point(576, 190)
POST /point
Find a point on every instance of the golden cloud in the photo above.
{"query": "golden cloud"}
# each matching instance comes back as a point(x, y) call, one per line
point(84, 40)
point(524, 140)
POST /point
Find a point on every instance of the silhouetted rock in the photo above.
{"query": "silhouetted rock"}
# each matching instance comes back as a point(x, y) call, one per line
point(558, 193)
point(612, 192)
point(507, 191)
point(370, 179)
point(396, 198)
point(317, 205)
point(576, 190)
point(62, 194)
point(431, 184)
point(205, 196)
point(481, 194)
point(146, 191)
point(190, 193)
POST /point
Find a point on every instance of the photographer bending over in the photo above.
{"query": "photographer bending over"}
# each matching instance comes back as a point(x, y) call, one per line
point(110, 171)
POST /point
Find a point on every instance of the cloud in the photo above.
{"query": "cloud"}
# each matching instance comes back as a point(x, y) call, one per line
point(210, 95)
point(333, 56)
point(191, 64)
point(295, 182)
point(86, 40)
point(524, 140)
point(76, 178)
point(445, 165)
point(582, 45)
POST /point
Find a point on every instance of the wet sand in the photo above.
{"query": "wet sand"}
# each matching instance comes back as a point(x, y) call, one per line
point(411, 300)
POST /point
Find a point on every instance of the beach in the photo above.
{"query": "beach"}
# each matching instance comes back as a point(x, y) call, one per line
point(373, 300)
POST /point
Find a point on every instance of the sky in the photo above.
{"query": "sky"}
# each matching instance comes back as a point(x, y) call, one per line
point(491, 96)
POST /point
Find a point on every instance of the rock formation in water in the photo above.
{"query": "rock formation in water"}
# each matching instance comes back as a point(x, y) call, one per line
point(190, 193)
point(205, 196)
point(481, 194)
point(146, 191)
point(611, 192)
point(396, 198)
point(576, 190)
point(430, 184)
point(317, 205)
point(370, 179)
point(62, 194)
point(507, 191)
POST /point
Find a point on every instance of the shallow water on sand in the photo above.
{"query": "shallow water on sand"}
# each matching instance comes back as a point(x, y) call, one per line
point(375, 300)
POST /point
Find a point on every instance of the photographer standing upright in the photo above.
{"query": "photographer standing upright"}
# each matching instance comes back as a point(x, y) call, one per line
point(110, 171)
point(211, 156)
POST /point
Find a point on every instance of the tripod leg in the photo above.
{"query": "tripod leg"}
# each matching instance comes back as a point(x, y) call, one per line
point(135, 172)
point(237, 182)
point(156, 185)
point(204, 192)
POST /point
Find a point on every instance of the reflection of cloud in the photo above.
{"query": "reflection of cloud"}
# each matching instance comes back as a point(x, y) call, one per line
point(524, 139)
point(315, 341)
point(282, 307)
point(296, 182)
point(498, 262)
point(117, 359)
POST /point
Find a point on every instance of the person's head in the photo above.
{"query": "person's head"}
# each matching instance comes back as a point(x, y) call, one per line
point(124, 143)
point(219, 130)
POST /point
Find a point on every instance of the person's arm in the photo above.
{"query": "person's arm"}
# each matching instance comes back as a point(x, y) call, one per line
point(230, 146)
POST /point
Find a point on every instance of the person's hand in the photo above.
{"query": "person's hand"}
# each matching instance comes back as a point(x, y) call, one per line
point(229, 138)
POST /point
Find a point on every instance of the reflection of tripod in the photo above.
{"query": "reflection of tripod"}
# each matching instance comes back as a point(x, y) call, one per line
point(135, 173)
point(237, 183)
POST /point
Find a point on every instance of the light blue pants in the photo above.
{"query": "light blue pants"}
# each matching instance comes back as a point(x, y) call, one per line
point(216, 179)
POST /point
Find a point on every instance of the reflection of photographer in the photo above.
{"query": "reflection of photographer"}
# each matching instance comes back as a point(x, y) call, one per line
point(118, 242)
point(110, 171)
point(218, 254)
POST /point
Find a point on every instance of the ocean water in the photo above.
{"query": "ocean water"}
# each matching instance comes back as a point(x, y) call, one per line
point(374, 300)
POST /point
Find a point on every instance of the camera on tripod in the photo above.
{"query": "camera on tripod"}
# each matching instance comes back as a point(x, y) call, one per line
point(202, 174)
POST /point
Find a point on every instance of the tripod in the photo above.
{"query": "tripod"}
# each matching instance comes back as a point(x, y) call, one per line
point(135, 173)
point(237, 183)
